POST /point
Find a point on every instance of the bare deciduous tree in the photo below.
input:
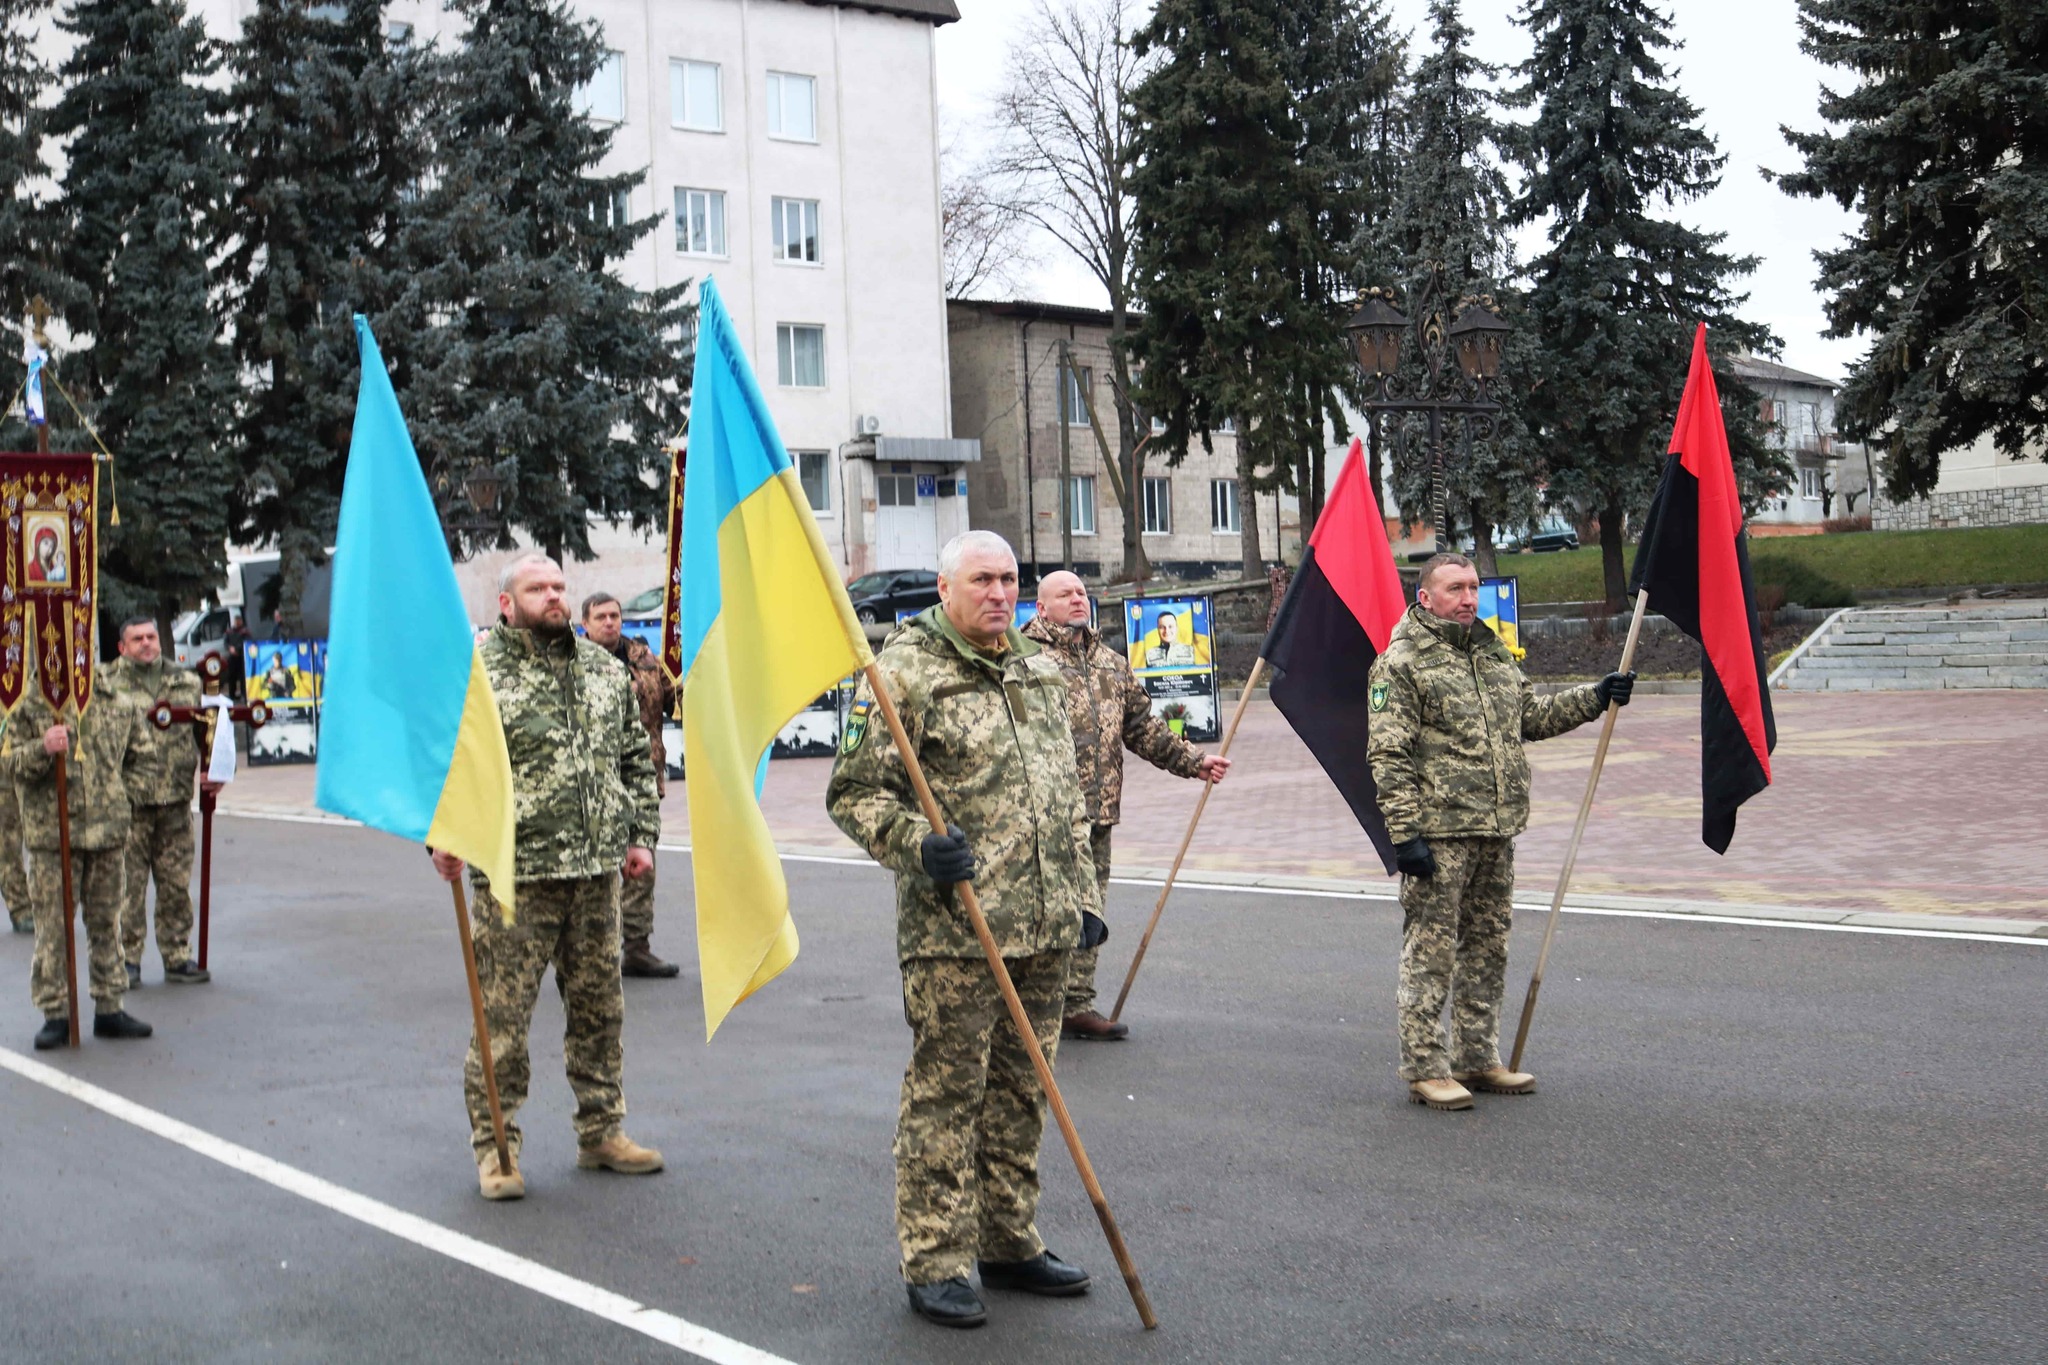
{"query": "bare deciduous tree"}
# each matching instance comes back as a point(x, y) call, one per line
point(1064, 137)
point(986, 237)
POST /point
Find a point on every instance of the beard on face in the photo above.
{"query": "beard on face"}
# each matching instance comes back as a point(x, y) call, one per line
point(549, 623)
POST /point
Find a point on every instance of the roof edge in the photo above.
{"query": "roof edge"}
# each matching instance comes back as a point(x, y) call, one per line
point(933, 12)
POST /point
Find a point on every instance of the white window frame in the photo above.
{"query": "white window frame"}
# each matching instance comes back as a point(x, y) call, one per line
point(715, 239)
point(1072, 410)
point(1809, 482)
point(781, 84)
point(889, 486)
point(806, 214)
point(1226, 512)
point(1081, 505)
point(617, 208)
point(819, 507)
point(786, 356)
point(680, 71)
point(609, 78)
point(1155, 501)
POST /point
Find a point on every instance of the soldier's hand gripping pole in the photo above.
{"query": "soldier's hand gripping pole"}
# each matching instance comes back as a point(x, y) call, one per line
point(1571, 852)
point(1243, 699)
point(483, 1031)
point(64, 863)
point(1022, 1021)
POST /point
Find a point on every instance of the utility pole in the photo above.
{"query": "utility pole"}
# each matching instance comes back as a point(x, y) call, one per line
point(1062, 410)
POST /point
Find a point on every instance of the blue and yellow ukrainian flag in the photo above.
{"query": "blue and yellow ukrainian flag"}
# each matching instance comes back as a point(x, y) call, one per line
point(410, 741)
point(764, 627)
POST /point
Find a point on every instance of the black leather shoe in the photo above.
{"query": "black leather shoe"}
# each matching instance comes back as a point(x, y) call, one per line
point(134, 976)
point(949, 1303)
point(187, 974)
point(1044, 1274)
point(119, 1024)
point(53, 1033)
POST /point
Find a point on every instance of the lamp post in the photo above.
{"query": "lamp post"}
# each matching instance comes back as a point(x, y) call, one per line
point(482, 489)
point(1458, 347)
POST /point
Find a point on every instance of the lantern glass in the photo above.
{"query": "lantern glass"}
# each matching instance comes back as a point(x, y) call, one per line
point(483, 487)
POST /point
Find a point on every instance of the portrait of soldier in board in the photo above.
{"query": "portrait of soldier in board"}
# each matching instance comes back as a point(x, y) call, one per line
point(1171, 651)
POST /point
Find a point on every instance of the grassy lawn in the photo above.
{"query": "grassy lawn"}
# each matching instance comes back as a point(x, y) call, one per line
point(1860, 560)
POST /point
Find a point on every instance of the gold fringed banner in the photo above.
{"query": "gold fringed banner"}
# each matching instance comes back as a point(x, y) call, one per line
point(49, 576)
point(671, 607)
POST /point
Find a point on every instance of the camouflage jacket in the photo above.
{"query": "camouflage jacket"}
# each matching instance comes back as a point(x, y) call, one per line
point(582, 780)
point(992, 736)
point(1450, 711)
point(165, 773)
point(1109, 711)
point(656, 697)
point(108, 744)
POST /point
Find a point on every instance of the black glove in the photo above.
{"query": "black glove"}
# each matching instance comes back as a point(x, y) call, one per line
point(946, 857)
point(1094, 932)
point(1414, 857)
point(1615, 687)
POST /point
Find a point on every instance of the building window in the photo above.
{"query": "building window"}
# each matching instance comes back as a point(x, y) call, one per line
point(1081, 504)
point(792, 107)
point(693, 97)
point(1227, 427)
point(1158, 506)
point(1223, 507)
point(796, 230)
point(799, 356)
point(398, 33)
point(1072, 396)
point(700, 222)
point(895, 490)
point(1809, 483)
point(813, 470)
point(604, 99)
point(609, 208)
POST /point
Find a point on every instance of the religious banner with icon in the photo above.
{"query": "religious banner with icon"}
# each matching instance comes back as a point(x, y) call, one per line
point(670, 649)
point(1172, 649)
point(48, 595)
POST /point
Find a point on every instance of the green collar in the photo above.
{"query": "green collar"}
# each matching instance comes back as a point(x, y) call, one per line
point(1472, 639)
point(934, 621)
point(530, 643)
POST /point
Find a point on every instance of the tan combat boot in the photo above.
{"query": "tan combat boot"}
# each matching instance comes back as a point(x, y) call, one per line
point(619, 1153)
point(497, 1184)
point(1439, 1092)
point(1498, 1080)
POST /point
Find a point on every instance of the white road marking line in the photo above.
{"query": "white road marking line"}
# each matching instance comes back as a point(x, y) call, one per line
point(1311, 893)
point(666, 1328)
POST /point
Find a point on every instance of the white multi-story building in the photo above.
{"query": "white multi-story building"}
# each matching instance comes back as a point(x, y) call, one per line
point(792, 152)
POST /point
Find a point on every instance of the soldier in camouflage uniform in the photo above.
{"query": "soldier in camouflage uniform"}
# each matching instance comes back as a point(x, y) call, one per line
point(1450, 714)
point(1109, 712)
point(986, 710)
point(604, 626)
point(21, 914)
point(583, 789)
point(160, 792)
point(103, 745)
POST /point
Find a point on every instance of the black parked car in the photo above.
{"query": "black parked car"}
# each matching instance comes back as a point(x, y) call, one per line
point(878, 597)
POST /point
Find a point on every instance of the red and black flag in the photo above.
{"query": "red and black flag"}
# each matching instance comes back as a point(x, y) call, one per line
point(1694, 563)
point(1337, 618)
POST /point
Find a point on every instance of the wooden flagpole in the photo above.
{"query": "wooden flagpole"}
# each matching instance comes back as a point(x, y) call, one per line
point(1243, 699)
point(483, 1031)
point(1571, 852)
point(1018, 1017)
point(64, 863)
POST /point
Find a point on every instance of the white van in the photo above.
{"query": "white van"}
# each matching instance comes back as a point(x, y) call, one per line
point(196, 634)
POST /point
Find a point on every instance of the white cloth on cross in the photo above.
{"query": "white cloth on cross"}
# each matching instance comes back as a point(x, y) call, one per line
point(220, 766)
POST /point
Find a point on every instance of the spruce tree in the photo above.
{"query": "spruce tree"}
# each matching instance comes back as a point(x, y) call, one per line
point(144, 166)
point(1237, 190)
point(1943, 153)
point(1618, 290)
point(324, 135)
point(28, 259)
point(539, 362)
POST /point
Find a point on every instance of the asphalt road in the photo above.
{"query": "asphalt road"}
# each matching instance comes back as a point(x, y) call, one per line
point(1750, 1144)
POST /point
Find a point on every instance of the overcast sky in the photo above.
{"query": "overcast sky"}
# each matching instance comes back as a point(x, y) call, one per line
point(1740, 65)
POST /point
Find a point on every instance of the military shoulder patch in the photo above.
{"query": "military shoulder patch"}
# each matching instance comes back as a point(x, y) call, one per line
point(1378, 696)
point(856, 725)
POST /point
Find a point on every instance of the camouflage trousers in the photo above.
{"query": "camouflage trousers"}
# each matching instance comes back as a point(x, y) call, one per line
point(572, 924)
point(160, 846)
point(97, 878)
point(972, 1114)
point(1081, 972)
point(1454, 946)
point(13, 873)
point(636, 906)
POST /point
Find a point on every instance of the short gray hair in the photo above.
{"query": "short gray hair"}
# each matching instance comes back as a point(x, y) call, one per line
point(956, 549)
point(509, 575)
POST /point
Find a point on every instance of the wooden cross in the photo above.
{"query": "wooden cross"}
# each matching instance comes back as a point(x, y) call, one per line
point(205, 720)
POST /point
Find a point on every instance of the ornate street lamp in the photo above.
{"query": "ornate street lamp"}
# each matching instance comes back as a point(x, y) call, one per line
point(483, 487)
point(1459, 346)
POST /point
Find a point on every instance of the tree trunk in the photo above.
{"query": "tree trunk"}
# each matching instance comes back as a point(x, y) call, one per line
point(1614, 574)
point(1129, 456)
point(1248, 508)
point(1482, 543)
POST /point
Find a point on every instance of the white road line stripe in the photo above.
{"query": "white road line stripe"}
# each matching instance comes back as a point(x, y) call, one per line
point(666, 1328)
